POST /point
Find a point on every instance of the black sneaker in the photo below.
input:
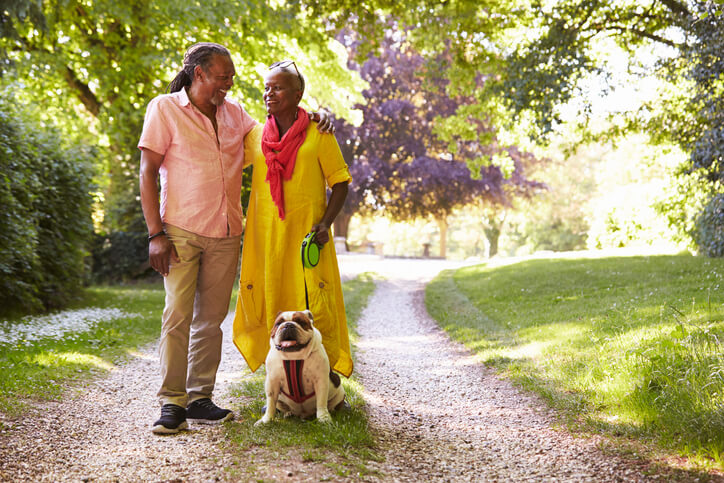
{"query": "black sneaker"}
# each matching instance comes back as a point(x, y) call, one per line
point(173, 420)
point(206, 412)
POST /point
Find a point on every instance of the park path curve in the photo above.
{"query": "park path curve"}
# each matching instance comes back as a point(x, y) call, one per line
point(442, 416)
point(438, 414)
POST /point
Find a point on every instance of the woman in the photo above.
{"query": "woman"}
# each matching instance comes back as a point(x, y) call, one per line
point(288, 199)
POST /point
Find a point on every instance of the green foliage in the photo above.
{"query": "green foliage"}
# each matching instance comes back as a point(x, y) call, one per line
point(709, 234)
point(541, 61)
point(625, 346)
point(94, 65)
point(40, 369)
point(120, 256)
point(627, 221)
point(45, 224)
point(689, 40)
point(681, 204)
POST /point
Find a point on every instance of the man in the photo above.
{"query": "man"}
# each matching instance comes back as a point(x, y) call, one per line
point(193, 138)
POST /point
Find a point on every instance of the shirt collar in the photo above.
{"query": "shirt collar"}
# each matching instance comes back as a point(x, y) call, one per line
point(183, 97)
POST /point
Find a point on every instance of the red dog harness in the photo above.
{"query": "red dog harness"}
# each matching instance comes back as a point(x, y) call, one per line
point(293, 370)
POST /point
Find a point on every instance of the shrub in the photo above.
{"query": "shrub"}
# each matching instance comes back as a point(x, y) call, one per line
point(709, 227)
point(45, 224)
point(120, 256)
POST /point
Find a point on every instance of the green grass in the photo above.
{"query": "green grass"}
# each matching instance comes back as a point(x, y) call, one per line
point(41, 369)
point(343, 446)
point(626, 346)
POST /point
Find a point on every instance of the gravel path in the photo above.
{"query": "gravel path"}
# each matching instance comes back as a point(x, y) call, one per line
point(438, 415)
point(101, 432)
point(443, 417)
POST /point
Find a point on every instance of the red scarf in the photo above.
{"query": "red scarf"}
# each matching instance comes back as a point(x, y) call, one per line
point(281, 154)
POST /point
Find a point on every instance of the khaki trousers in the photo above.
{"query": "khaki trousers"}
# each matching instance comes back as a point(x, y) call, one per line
point(198, 289)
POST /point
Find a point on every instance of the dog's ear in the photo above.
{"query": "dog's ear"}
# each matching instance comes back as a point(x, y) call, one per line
point(303, 319)
point(279, 320)
point(309, 315)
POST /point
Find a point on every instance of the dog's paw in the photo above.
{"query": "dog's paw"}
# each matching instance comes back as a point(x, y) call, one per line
point(262, 421)
point(323, 416)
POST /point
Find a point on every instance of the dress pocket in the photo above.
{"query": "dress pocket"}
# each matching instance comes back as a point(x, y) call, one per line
point(321, 304)
point(252, 301)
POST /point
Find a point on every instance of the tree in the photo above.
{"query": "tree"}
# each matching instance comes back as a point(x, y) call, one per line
point(95, 65)
point(535, 54)
point(397, 160)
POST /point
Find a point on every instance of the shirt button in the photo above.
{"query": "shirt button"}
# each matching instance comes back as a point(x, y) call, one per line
point(321, 284)
point(250, 286)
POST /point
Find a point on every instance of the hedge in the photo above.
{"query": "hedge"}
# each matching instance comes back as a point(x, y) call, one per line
point(45, 220)
point(709, 227)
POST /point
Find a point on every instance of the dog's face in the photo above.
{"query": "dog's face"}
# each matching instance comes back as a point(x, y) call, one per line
point(292, 331)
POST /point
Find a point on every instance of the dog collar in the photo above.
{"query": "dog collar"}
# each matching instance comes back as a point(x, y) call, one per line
point(295, 348)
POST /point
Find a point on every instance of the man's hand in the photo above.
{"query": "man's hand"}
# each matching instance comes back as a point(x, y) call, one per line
point(160, 253)
point(324, 124)
point(321, 235)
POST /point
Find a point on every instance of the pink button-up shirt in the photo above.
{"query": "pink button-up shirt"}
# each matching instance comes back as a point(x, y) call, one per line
point(200, 176)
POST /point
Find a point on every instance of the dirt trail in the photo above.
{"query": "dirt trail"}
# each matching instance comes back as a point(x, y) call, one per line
point(101, 432)
point(443, 417)
point(438, 414)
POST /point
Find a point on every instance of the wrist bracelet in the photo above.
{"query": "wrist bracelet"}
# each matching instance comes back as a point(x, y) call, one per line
point(151, 237)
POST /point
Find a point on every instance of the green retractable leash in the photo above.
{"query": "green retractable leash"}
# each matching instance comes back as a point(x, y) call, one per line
point(310, 259)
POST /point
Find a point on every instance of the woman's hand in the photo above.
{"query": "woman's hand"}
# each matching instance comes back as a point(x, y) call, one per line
point(321, 233)
point(336, 201)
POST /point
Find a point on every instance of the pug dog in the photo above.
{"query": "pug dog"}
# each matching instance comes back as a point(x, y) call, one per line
point(299, 380)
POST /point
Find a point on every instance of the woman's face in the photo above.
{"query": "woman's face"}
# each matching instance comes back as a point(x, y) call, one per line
point(282, 92)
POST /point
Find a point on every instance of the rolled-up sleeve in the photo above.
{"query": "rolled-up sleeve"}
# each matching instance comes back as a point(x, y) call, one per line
point(330, 157)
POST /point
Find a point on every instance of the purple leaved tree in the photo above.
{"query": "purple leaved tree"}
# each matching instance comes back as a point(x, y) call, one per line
point(402, 167)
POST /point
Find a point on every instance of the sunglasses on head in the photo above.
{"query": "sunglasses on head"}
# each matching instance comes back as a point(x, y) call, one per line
point(286, 63)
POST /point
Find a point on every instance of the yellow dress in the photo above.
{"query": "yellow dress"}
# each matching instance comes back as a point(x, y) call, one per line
point(272, 275)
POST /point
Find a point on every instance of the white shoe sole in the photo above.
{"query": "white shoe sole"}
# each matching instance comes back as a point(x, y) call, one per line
point(161, 429)
point(228, 417)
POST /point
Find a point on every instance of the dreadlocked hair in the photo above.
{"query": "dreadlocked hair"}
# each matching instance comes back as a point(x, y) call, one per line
point(198, 54)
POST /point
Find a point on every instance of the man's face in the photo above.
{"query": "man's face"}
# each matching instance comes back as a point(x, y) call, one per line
point(216, 81)
point(282, 92)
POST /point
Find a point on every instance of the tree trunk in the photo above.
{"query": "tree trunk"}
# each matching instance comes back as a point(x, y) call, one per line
point(492, 233)
point(442, 225)
point(340, 226)
point(495, 219)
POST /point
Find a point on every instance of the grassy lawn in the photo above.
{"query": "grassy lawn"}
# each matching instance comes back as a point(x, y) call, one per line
point(343, 446)
point(39, 367)
point(625, 346)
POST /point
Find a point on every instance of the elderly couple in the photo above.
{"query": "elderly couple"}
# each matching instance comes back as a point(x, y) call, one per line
point(198, 141)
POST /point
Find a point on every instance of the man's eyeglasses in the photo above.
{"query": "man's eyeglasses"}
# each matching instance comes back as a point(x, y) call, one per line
point(286, 63)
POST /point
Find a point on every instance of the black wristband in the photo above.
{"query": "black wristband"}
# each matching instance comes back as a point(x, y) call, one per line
point(151, 237)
